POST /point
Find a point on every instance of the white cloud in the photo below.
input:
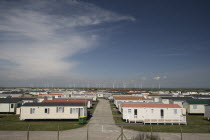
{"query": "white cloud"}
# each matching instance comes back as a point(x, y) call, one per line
point(40, 38)
point(157, 78)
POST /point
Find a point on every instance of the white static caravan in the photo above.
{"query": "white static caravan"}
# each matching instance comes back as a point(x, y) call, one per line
point(121, 103)
point(196, 106)
point(207, 112)
point(38, 92)
point(52, 111)
point(52, 96)
point(130, 98)
point(154, 113)
point(30, 99)
point(9, 105)
point(91, 95)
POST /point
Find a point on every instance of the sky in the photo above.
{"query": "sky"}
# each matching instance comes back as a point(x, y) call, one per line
point(105, 43)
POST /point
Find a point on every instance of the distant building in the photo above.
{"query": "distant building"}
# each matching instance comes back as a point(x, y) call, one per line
point(130, 98)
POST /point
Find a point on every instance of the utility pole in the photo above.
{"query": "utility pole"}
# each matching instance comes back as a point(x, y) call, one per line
point(28, 132)
point(121, 133)
point(58, 132)
point(87, 131)
point(180, 131)
point(151, 131)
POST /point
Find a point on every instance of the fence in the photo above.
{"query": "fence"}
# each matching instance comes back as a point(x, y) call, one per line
point(105, 131)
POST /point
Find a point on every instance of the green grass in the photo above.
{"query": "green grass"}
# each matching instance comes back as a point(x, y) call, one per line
point(116, 113)
point(118, 120)
point(92, 109)
point(171, 128)
point(12, 122)
point(196, 124)
point(197, 120)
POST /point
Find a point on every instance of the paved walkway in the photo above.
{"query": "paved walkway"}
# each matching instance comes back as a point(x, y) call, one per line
point(100, 127)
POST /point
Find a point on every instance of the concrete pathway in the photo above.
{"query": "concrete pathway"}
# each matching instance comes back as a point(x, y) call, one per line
point(100, 127)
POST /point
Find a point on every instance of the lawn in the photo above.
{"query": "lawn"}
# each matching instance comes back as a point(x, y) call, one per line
point(12, 122)
point(196, 124)
point(116, 113)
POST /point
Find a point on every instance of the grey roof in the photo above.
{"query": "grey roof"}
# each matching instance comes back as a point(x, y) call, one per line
point(159, 95)
point(54, 104)
point(178, 98)
point(89, 99)
point(13, 92)
point(90, 95)
point(9, 100)
point(198, 101)
point(28, 99)
point(201, 96)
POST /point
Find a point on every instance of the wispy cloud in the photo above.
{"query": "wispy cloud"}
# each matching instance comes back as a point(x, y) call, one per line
point(157, 78)
point(37, 36)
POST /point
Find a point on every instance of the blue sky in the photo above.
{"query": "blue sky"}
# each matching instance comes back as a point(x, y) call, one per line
point(97, 41)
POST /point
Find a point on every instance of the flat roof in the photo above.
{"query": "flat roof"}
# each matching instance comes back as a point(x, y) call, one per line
point(9, 100)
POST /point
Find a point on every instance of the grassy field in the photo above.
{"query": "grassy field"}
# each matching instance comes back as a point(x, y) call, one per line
point(196, 124)
point(12, 122)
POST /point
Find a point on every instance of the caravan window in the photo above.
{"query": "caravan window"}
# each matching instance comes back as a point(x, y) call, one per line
point(12, 105)
point(194, 106)
point(73, 111)
point(129, 111)
point(162, 113)
point(135, 111)
point(60, 109)
point(47, 110)
point(175, 111)
point(32, 110)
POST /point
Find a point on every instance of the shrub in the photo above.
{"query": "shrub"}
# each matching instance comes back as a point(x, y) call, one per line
point(143, 136)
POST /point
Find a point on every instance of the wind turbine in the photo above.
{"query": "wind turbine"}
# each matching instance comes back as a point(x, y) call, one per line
point(158, 79)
